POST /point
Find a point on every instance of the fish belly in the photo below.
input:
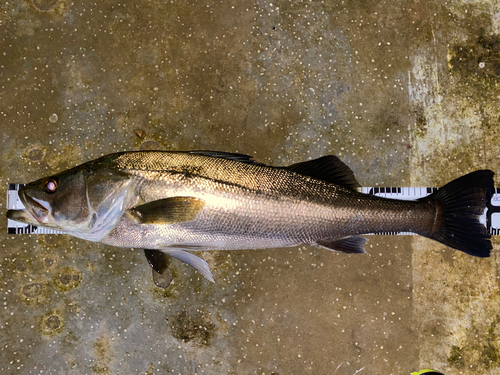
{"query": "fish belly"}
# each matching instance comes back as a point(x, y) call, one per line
point(232, 224)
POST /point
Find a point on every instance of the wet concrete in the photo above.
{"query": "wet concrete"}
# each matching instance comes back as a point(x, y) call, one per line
point(406, 94)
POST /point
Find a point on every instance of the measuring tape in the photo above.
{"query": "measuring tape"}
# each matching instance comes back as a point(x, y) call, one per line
point(491, 218)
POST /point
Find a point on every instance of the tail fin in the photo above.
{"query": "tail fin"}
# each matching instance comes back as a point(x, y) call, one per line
point(460, 204)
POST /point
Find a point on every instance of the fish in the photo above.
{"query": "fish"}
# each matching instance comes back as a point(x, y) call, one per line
point(174, 203)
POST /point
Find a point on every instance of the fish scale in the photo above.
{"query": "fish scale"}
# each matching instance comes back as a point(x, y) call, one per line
point(262, 201)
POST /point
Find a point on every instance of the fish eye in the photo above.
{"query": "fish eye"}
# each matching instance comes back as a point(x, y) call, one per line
point(51, 184)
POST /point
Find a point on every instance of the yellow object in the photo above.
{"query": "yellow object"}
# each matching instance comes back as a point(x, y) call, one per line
point(427, 372)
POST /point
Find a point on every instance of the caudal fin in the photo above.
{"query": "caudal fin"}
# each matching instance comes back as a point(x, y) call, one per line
point(460, 205)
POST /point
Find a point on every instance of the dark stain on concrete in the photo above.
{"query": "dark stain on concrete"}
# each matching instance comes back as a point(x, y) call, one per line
point(51, 239)
point(104, 355)
point(476, 64)
point(35, 154)
point(21, 265)
point(475, 357)
point(420, 122)
point(479, 350)
point(48, 262)
point(44, 5)
point(52, 323)
point(32, 290)
point(35, 293)
point(67, 279)
point(192, 327)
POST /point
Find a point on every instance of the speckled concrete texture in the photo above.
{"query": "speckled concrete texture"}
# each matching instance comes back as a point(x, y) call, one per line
point(406, 93)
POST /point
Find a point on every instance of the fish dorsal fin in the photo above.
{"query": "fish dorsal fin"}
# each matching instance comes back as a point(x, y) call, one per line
point(328, 168)
point(168, 211)
point(242, 158)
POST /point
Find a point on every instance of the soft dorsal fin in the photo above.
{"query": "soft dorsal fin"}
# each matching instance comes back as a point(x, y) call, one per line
point(328, 168)
point(242, 158)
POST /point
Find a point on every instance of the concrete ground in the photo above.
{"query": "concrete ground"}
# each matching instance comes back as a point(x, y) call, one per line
point(406, 93)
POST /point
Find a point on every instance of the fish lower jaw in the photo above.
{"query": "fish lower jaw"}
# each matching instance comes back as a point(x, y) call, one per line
point(23, 216)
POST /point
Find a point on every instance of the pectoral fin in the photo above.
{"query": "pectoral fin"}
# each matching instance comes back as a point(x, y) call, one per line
point(349, 245)
point(168, 211)
point(192, 260)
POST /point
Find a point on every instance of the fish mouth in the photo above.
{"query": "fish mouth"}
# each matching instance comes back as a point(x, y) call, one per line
point(22, 216)
point(33, 213)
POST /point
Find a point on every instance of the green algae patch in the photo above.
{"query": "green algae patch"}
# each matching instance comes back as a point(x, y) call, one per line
point(482, 351)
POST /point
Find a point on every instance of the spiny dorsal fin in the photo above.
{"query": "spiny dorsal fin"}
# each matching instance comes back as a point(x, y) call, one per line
point(168, 211)
point(242, 158)
point(328, 168)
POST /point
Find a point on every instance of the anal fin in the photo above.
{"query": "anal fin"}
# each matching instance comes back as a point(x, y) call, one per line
point(191, 259)
point(349, 245)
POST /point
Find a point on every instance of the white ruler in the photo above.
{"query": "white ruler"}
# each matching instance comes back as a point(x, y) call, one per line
point(492, 217)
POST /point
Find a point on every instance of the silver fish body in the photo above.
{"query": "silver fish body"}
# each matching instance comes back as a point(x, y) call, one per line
point(177, 202)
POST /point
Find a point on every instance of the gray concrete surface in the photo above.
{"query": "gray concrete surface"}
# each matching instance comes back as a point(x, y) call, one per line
point(406, 93)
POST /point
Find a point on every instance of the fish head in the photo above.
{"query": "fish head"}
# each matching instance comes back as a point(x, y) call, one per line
point(78, 200)
point(56, 201)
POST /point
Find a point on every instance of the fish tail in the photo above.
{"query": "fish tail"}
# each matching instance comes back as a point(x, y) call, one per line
point(459, 207)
